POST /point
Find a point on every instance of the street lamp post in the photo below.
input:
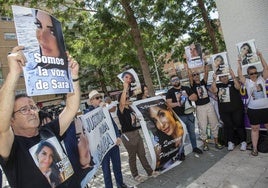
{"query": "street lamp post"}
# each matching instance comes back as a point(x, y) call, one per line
point(157, 74)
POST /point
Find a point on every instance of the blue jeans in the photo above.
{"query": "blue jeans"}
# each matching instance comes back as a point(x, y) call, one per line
point(114, 155)
point(189, 121)
point(1, 178)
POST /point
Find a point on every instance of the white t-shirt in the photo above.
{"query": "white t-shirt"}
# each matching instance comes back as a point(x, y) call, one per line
point(257, 98)
point(110, 106)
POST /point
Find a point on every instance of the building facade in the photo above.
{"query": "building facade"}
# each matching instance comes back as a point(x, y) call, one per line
point(243, 20)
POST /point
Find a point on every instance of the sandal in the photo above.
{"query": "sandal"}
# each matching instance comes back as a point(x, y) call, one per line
point(139, 178)
point(254, 152)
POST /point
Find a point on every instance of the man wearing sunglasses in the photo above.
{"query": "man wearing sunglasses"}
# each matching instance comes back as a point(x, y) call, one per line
point(205, 111)
point(176, 98)
point(95, 101)
point(257, 102)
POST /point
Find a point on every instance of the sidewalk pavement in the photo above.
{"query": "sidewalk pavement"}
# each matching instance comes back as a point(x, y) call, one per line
point(216, 169)
point(212, 169)
point(237, 169)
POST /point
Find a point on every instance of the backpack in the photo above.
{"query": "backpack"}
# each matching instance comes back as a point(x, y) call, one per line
point(263, 143)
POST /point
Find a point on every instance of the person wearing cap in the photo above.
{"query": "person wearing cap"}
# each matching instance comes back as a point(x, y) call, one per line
point(95, 101)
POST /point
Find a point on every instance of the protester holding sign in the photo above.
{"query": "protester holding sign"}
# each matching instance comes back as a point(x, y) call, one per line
point(176, 99)
point(95, 100)
point(257, 101)
point(205, 111)
point(131, 137)
point(231, 109)
point(20, 129)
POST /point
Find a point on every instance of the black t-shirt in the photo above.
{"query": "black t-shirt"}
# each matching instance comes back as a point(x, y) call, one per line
point(171, 94)
point(201, 92)
point(20, 168)
point(229, 98)
point(126, 120)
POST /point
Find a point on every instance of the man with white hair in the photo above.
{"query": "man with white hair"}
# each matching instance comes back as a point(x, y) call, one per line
point(95, 101)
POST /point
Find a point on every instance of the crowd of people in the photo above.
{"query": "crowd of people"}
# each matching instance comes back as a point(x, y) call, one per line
point(24, 127)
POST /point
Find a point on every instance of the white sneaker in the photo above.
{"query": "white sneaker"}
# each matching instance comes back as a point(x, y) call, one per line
point(230, 146)
point(243, 146)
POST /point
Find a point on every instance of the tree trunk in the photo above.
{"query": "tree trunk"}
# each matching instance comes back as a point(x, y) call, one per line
point(135, 33)
point(208, 26)
point(102, 82)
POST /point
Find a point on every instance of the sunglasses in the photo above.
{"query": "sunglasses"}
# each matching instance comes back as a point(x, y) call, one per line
point(253, 73)
point(99, 97)
point(175, 80)
point(195, 74)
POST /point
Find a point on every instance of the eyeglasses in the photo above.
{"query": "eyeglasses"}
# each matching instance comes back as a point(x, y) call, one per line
point(26, 109)
point(224, 76)
point(252, 73)
point(195, 74)
point(175, 80)
point(97, 98)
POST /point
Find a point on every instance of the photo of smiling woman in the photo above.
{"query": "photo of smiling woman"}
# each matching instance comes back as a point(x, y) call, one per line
point(47, 158)
point(166, 132)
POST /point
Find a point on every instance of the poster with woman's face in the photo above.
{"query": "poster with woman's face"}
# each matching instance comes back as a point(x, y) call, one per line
point(220, 64)
point(46, 70)
point(131, 77)
point(247, 51)
point(164, 131)
point(52, 161)
point(194, 56)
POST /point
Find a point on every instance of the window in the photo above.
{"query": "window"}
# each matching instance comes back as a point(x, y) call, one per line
point(20, 91)
point(10, 36)
point(3, 18)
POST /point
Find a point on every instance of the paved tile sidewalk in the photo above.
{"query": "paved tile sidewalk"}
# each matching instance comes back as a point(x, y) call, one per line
point(97, 181)
point(236, 170)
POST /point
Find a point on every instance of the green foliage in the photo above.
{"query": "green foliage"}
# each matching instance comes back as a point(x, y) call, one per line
point(98, 35)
